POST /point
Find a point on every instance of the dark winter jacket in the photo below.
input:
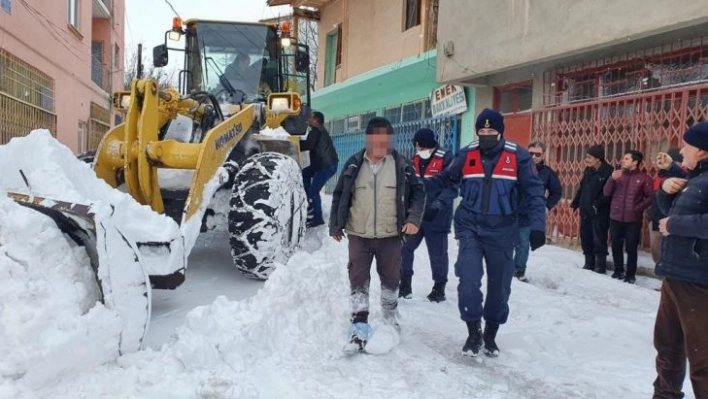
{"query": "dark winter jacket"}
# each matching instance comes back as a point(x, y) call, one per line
point(655, 213)
point(410, 192)
point(552, 184)
point(684, 252)
point(589, 197)
point(631, 195)
point(438, 202)
point(491, 192)
point(322, 151)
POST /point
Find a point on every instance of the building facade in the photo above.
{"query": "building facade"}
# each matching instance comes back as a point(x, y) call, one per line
point(574, 73)
point(378, 58)
point(59, 63)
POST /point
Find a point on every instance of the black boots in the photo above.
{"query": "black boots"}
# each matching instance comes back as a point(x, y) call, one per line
point(405, 290)
point(601, 264)
point(438, 293)
point(589, 262)
point(474, 341)
point(490, 333)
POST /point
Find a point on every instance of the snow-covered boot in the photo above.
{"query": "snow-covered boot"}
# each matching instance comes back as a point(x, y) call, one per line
point(474, 341)
point(490, 333)
point(589, 262)
point(358, 335)
point(601, 264)
point(405, 290)
point(438, 293)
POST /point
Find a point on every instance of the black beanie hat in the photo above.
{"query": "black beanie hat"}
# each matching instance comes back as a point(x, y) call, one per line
point(490, 119)
point(675, 154)
point(425, 138)
point(379, 122)
point(598, 152)
point(697, 136)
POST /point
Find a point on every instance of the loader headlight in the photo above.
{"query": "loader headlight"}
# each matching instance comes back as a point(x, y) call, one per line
point(125, 101)
point(280, 104)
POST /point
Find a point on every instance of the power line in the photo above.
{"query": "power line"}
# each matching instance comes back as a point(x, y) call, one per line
point(173, 9)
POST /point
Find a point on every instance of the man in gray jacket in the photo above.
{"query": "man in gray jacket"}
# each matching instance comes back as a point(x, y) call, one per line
point(378, 200)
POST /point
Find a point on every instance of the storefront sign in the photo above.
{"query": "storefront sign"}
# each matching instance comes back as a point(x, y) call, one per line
point(448, 100)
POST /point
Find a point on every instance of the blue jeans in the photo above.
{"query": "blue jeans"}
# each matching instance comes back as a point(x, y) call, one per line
point(313, 181)
point(437, 252)
point(521, 251)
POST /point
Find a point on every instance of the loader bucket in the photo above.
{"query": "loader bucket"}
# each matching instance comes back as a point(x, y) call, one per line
point(115, 261)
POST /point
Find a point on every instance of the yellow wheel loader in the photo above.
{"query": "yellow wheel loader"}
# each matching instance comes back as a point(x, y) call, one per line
point(221, 149)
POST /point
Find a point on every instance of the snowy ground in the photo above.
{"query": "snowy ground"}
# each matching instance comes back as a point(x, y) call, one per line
point(571, 334)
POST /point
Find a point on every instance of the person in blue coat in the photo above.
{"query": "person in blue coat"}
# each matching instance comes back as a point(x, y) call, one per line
point(430, 160)
point(493, 174)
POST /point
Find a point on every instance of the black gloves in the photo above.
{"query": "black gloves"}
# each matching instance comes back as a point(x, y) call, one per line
point(432, 212)
point(537, 239)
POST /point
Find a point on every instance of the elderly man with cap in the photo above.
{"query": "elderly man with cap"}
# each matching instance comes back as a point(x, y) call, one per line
point(594, 209)
point(682, 317)
point(378, 200)
point(429, 161)
point(493, 174)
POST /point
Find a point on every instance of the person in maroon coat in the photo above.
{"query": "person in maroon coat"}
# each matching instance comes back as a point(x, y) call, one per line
point(631, 192)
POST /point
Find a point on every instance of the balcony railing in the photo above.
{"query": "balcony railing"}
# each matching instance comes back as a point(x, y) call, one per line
point(100, 75)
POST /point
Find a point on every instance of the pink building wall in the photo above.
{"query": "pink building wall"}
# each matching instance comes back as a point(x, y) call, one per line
point(40, 35)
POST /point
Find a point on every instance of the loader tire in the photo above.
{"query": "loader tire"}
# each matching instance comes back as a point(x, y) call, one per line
point(268, 211)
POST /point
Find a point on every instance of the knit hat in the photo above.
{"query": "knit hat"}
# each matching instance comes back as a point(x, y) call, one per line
point(697, 136)
point(597, 151)
point(490, 119)
point(377, 123)
point(675, 154)
point(425, 138)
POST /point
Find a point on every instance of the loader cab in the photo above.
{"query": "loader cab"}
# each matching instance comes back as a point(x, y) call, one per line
point(239, 62)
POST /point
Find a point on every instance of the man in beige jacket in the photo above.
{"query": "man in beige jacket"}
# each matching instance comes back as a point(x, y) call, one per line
point(378, 201)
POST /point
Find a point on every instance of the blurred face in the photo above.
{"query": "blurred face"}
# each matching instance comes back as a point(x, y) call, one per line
point(592, 162)
point(536, 154)
point(627, 163)
point(314, 122)
point(379, 143)
point(692, 155)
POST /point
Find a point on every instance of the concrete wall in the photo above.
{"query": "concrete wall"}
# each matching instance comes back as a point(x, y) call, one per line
point(373, 36)
point(43, 39)
point(493, 36)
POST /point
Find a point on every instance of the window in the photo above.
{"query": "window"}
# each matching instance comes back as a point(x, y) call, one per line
point(333, 55)
point(412, 10)
point(73, 16)
point(116, 57)
point(511, 99)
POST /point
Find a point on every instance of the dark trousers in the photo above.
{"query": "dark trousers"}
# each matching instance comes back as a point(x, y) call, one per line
point(437, 252)
point(313, 181)
point(625, 236)
point(498, 253)
point(362, 252)
point(680, 333)
point(593, 235)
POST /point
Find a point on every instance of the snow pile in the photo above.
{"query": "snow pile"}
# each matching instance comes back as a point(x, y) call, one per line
point(53, 171)
point(278, 133)
point(49, 320)
point(571, 334)
point(48, 289)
